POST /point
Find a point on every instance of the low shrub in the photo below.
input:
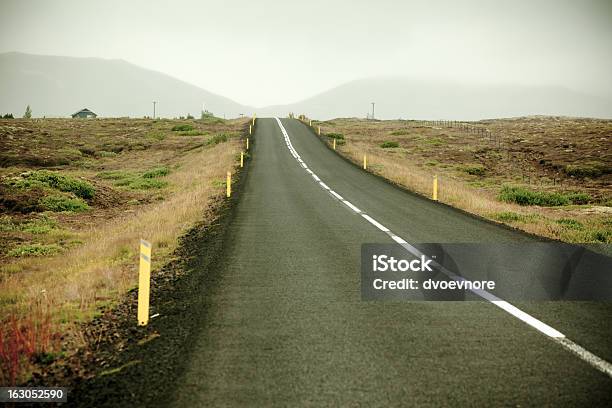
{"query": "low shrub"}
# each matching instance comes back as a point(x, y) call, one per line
point(523, 196)
point(434, 141)
point(104, 153)
point(335, 136)
point(579, 198)
point(26, 184)
point(59, 203)
point(41, 225)
point(7, 224)
point(509, 216)
point(570, 223)
point(218, 138)
point(587, 169)
point(62, 183)
point(400, 133)
point(604, 236)
point(34, 250)
point(113, 175)
point(212, 120)
point(156, 172)
point(182, 128)
point(87, 150)
point(145, 184)
point(389, 145)
point(134, 181)
point(193, 132)
point(475, 169)
point(156, 136)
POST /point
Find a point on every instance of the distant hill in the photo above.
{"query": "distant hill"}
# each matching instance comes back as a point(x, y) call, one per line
point(407, 98)
point(60, 86)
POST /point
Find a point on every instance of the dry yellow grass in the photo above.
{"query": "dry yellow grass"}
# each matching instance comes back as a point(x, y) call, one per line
point(106, 264)
point(97, 258)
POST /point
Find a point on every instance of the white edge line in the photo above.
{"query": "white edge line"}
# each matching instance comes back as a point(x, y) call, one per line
point(375, 223)
point(398, 239)
point(357, 210)
point(338, 196)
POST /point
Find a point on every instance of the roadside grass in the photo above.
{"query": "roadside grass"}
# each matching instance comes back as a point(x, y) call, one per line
point(530, 195)
point(182, 128)
point(389, 145)
point(146, 180)
point(98, 268)
point(525, 196)
point(474, 169)
point(61, 203)
point(35, 250)
point(193, 132)
point(587, 169)
point(53, 180)
point(156, 172)
point(74, 247)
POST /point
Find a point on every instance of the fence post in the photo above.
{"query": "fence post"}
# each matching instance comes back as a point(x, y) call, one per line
point(144, 282)
point(228, 183)
point(435, 188)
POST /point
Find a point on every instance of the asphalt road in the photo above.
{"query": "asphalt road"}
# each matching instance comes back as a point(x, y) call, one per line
point(287, 326)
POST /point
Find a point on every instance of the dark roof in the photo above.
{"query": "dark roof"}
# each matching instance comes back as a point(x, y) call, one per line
point(83, 110)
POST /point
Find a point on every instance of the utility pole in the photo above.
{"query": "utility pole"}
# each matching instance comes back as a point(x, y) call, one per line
point(154, 103)
point(372, 110)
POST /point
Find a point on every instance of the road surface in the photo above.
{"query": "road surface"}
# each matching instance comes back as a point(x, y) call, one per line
point(287, 326)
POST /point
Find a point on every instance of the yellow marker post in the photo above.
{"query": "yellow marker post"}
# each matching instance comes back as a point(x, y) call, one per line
point(241, 159)
point(228, 184)
point(144, 282)
point(334, 144)
point(253, 120)
point(250, 129)
point(247, 143)
point(435, 188)
point(319, 130)
point(310, 122)
point(365, 161)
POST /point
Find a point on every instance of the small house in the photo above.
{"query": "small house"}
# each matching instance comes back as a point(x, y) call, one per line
point(84, 113)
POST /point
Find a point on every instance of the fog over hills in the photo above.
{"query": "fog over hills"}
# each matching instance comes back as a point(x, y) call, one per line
point(397, 97)
point(59, 86)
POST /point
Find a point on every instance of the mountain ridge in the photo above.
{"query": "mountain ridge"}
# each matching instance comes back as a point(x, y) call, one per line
point(59, 86)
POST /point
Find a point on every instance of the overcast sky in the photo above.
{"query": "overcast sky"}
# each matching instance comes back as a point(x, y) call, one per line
point(272, 52)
